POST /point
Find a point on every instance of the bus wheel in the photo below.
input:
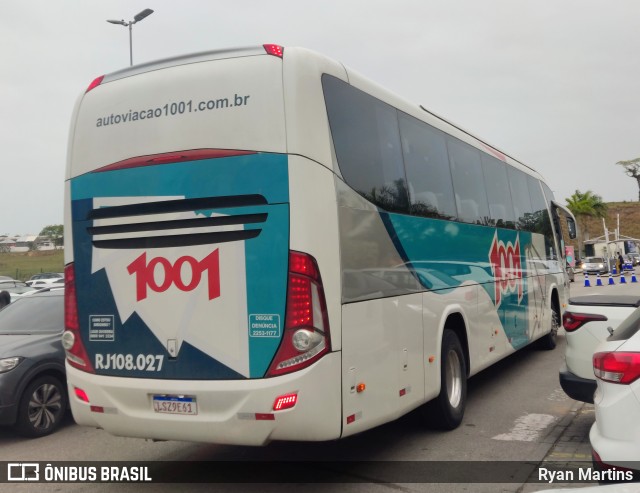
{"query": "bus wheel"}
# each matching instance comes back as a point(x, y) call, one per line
point(548, 341)
point(446, 410)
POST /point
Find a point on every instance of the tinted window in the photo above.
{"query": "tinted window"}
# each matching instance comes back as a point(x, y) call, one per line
point(470, 195)
point(521, 200)
point(498, 192)
point(366, 139)
point(547, 192)
point(541, 219)
point(425, 158)
point(33, 314)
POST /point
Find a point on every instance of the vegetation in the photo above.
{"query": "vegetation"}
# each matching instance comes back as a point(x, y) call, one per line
point(55, 232)
point(22, 266)
point(629, 214)
point(632, 169)
point(583, 206)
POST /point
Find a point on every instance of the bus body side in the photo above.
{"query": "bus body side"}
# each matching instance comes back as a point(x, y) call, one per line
point(269, 170)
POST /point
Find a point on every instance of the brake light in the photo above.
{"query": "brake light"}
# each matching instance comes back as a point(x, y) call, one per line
point(173, 157)
point(275, 50)
point(74, 348)
point(617, 367)
point(572, 321)
point(285, 402)
point(306, 333)
point(81, 394)
point(95, 83)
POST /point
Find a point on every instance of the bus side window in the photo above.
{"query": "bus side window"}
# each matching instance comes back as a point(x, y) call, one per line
point(466, 170)
point(424, 149)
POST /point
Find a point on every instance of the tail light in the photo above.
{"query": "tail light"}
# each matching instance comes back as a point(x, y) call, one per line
point(95, 83)
point(617, 367)
point(613, 473)
point(275, 50)
point(306, 334)
point(572, 321)
point(74, 348)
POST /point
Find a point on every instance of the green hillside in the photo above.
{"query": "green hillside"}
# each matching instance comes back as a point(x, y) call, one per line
point(22, 266)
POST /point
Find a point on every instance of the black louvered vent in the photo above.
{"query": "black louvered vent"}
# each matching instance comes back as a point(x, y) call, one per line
point(150, 209)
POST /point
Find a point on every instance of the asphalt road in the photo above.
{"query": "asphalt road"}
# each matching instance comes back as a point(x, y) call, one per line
point(516, 412)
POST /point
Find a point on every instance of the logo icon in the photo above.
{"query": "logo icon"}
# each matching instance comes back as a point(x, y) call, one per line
point(174, 275)
point(506, 266)
point(23, 471)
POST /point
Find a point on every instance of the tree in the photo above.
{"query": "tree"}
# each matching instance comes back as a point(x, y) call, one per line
point(632, 169)
point(55, 232)
point(585, 205)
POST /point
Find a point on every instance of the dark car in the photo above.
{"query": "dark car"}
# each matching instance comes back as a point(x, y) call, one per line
point(33, 393)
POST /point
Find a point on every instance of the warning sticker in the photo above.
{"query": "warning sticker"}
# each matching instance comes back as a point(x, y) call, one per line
point(101, 328)
point(267, 325)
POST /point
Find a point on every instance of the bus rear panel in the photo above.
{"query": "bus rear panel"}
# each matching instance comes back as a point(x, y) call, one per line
point(189, 315)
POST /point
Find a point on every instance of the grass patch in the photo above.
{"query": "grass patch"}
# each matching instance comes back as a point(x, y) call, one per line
point(22, 266)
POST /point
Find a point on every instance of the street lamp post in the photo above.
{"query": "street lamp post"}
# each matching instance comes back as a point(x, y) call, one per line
point(137, 18)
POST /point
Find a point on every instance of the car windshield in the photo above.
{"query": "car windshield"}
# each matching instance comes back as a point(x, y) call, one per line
point(595, 260)
point(33, 314)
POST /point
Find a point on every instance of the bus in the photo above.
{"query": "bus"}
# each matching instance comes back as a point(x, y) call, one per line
point(262, 244)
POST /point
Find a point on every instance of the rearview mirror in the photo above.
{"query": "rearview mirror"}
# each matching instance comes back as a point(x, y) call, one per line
point(571, 226)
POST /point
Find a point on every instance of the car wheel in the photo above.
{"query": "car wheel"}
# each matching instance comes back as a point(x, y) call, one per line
point(447, 410)
point(42, 407)
point(549, 341)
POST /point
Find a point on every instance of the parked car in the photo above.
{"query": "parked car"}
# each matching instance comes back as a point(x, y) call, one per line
point(616, 364)
point(44, 278)
point(595, 265)
point(586, 322)
point(33, 391)
point(15, 288)
point(635, 258)
point(46, 275)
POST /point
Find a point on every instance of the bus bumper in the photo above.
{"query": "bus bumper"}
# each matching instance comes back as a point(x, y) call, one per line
point(238, 412)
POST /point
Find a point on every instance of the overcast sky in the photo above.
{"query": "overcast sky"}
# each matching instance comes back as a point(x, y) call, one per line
point(553, 83)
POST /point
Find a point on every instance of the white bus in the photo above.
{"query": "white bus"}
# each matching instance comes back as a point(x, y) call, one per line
point(264, 245)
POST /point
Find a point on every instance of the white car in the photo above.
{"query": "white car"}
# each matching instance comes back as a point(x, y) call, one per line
point(595, 265)
point(615, 436)
point(44, 279)
point(586, 322)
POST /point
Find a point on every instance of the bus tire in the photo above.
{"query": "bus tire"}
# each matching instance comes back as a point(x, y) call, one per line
point(447, 410)
point(549, 341)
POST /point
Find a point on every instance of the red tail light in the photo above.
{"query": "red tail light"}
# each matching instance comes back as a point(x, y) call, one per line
point(306, 334)
point(285, 402)
point(96, 82)
point(573, 321)
point(275, 50)
point(172, 157)
point(617, 367)
point(76, 353)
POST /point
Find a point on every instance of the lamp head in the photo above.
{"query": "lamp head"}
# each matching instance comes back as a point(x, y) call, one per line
point(145, 13)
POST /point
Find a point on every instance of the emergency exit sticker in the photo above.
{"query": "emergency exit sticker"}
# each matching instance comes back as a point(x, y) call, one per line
point(101, 328)
point(266, 325)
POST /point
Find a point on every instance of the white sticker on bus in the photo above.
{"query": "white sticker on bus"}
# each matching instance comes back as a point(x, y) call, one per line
point(140, 362)
point(188, 294)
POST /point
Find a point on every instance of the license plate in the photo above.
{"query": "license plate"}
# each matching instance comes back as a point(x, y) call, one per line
point(175, 404)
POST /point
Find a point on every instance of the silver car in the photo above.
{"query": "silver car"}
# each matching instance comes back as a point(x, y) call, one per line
point(595, 265)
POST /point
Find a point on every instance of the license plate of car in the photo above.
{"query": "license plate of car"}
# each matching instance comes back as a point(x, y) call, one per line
point(175, 404)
